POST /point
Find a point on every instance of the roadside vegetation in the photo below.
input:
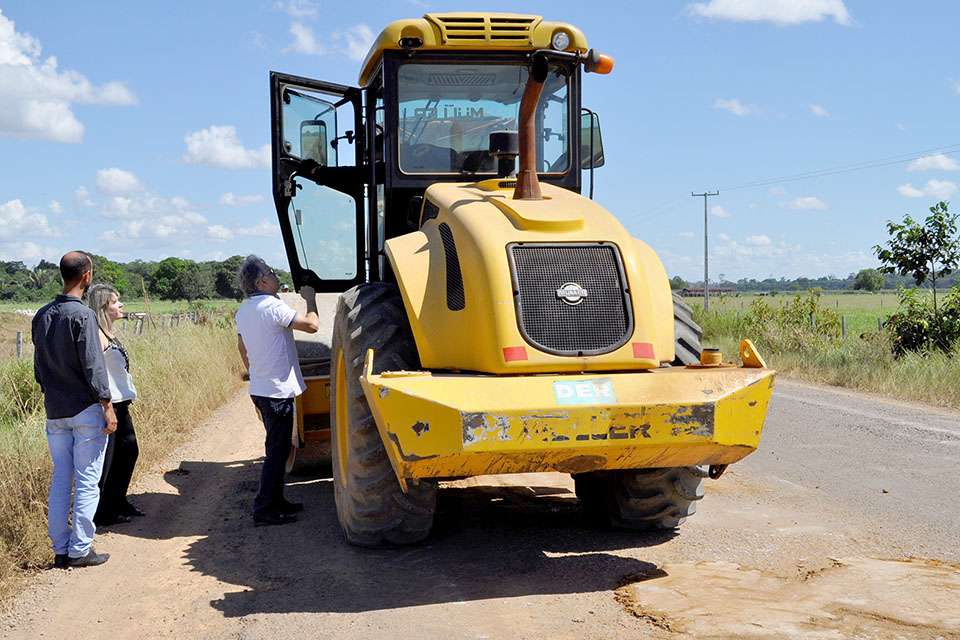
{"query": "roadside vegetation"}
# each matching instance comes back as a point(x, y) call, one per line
point(814, 351)
point(182, 374)
point(914, 355)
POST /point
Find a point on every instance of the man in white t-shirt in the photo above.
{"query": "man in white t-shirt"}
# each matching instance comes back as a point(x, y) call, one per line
point(265, 339)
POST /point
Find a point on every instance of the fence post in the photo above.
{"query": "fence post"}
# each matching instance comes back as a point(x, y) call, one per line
point(879, 324)
point(19, 344)
point(138, 328)
point(123, 327)
point(843, 327)
point(813, 320)
point(163, 322)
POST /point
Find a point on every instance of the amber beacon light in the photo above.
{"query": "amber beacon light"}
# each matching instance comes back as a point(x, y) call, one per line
point(597, 62)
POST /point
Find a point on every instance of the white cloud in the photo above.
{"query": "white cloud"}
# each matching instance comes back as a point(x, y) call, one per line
point(781, 12)
point(734, 106)
point(263, 229)
point(778, 191)
point(219, 146)
point(36, 97)
point(356, 41)
point(241, 201)
point(819, 111)
point(937, 189)
point(723, 237)
point(118, 182)
point(937, 161)
point(29, 253)
point(718, 211)
point(757, 241)
point(16, 222)
point(81, 197)
point(901, 127)
point(803, 204)
point(687, 234)
point(304, 41)
point(56, 208)
point(298, 8)
point(219, 232)
point(353, 42)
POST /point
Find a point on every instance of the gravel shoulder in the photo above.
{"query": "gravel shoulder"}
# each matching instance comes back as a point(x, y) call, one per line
point(510, 557)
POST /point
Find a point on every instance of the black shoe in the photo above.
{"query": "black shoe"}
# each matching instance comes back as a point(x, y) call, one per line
point(106, 521)
point(289, 507)
point(273, 518)
point(92, 559)
point(60, 561)
point(130, 510)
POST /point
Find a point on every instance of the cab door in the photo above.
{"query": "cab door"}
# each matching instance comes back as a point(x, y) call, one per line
point(319, 180)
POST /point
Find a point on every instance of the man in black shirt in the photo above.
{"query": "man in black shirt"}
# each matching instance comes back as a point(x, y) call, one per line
point(68, 365)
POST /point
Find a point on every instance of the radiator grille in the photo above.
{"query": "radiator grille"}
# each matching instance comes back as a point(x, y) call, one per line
point(463, 29)
point(599, 322)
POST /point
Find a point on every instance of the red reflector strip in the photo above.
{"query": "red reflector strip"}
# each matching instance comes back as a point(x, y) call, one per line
point(643, 350)
point(514, 353)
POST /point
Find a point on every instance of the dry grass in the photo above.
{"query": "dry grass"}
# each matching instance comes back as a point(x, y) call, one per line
point(182, 375)
point(10, 324)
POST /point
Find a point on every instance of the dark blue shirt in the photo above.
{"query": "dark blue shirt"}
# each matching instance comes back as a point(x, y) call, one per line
point(68, 358)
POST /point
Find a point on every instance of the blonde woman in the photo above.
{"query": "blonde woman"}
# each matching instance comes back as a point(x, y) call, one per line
point(122, 449)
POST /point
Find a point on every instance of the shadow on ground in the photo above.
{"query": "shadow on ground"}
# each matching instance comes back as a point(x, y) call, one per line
point(487, 542)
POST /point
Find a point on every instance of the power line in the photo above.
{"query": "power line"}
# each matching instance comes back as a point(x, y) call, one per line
point(654, 212)
point(860, 166)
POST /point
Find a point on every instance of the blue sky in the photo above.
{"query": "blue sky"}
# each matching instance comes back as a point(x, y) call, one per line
point(141, 130)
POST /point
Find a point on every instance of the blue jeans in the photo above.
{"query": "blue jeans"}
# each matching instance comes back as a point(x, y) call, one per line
point(277, 414)
point(77, 446)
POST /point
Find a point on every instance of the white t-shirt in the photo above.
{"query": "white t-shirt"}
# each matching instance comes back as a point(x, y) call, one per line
point(263, 321)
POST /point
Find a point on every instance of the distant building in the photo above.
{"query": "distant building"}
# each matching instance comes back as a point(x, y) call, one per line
point(697, 292)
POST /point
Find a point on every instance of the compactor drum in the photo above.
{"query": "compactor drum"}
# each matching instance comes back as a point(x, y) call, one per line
point(491, 319)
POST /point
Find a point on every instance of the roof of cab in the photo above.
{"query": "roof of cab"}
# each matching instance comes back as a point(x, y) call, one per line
point(477, 31)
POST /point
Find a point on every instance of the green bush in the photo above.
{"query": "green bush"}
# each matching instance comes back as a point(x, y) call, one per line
point(918, 326)
point(796, 326)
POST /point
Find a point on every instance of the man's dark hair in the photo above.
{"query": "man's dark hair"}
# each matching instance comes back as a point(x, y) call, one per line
point(73, 265)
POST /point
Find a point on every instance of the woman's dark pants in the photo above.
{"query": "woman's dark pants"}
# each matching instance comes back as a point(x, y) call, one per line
point(121, 456)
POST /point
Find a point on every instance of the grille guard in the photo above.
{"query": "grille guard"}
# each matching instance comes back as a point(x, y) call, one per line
point(459, 425)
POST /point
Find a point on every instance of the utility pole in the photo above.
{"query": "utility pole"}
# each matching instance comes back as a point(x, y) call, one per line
point(706, 253)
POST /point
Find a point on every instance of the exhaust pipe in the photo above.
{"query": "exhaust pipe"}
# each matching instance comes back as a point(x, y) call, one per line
point(528, 185)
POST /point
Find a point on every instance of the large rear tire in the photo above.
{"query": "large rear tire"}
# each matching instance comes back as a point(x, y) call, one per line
point(687, 334)
point(640, 499)
point(372, 508)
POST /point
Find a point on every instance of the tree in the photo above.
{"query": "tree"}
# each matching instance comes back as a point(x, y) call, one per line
point(161, 281)
point(108, 272)
point(927, 250)
point(225, 277)
point(192, 283)
point(678, 283)
point(868, 280)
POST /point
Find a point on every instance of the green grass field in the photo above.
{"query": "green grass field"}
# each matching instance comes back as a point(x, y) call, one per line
point(861, 310)
point(159, 307)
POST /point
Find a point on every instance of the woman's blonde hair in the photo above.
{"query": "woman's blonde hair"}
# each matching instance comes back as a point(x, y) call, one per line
point(98, 297)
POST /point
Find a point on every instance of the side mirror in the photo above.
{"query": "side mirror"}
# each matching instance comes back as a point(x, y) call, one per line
point(313, 141)
point(591, 142)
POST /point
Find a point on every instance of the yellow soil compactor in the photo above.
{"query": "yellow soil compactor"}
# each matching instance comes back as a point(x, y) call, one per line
point(489, 318)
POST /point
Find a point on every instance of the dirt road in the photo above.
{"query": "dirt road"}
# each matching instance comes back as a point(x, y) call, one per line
point(789, 543)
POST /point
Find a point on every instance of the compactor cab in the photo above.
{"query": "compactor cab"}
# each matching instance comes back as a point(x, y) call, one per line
point(492, 318)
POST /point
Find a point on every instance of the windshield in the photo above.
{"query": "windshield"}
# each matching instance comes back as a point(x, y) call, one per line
point(447, 112)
